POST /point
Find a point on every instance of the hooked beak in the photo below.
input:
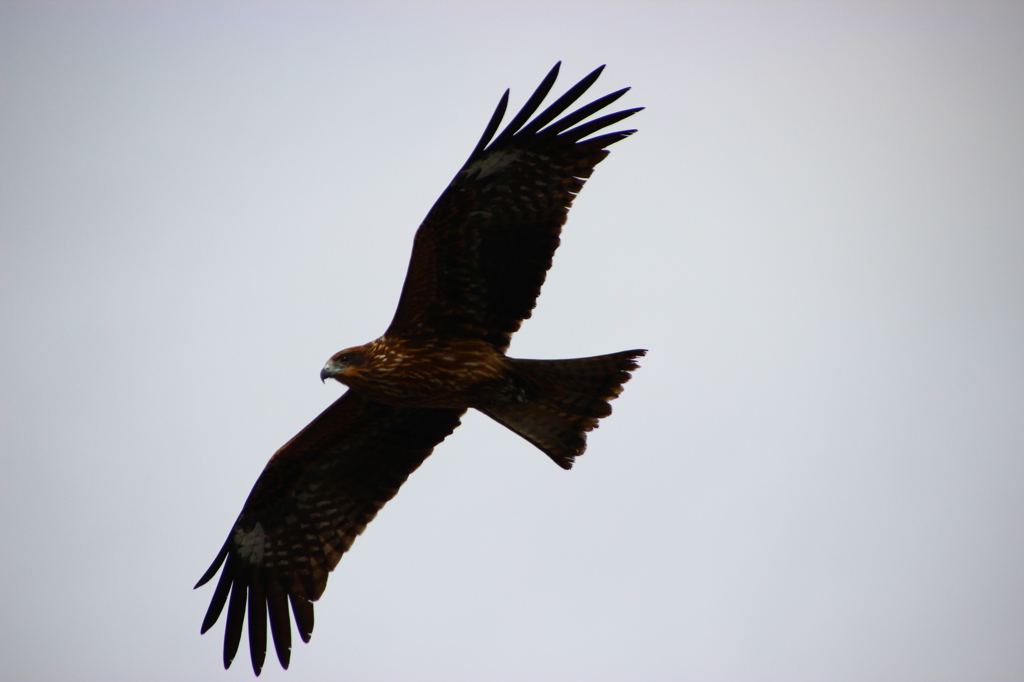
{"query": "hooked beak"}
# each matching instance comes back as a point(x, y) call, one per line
point(325, 374)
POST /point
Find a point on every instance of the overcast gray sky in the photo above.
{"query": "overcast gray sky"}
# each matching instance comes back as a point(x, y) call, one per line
point(818, 232)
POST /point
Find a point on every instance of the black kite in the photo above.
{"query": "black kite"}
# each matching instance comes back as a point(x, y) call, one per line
point(478, 263)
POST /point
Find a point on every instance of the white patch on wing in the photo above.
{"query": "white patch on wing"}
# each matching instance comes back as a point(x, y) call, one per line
point(494, 163)
point(251, 545)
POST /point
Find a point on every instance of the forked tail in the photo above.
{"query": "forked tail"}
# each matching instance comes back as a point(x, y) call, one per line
point(559, 401)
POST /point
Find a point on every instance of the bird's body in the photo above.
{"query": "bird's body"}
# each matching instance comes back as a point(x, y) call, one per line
point(478, 263)
point(423, 371)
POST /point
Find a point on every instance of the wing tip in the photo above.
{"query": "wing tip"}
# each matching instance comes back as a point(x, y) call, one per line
point(214, 567)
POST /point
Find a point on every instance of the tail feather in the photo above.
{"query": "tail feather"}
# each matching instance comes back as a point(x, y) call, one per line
point(559, 401)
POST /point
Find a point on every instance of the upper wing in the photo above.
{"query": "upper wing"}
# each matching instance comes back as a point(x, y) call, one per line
point(315, 496)
point(481, 255)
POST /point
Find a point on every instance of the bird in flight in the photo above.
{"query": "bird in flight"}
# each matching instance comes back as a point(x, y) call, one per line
point(478, 262)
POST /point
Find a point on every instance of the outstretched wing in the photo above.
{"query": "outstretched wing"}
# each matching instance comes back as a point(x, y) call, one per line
point(315, 496)
point(481, 255)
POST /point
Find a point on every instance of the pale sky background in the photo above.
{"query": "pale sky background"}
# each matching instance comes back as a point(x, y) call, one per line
point(818, 232)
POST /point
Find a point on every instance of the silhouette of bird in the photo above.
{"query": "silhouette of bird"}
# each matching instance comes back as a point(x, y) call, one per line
point(478, 262)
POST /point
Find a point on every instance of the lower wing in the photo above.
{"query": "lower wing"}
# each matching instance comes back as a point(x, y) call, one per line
point(316, 494)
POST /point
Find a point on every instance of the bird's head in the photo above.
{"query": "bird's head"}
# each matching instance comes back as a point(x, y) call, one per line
point(344, 365)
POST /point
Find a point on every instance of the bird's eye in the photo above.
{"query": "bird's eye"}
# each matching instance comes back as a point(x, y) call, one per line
point(345, 357)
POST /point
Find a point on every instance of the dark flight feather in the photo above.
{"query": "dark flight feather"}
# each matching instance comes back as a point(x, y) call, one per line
point(531, 105)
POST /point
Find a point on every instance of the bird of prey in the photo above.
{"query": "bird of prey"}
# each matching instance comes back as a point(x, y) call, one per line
point(478, 262)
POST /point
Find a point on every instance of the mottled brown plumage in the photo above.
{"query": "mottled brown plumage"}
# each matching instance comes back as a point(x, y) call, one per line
point(478, 263)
